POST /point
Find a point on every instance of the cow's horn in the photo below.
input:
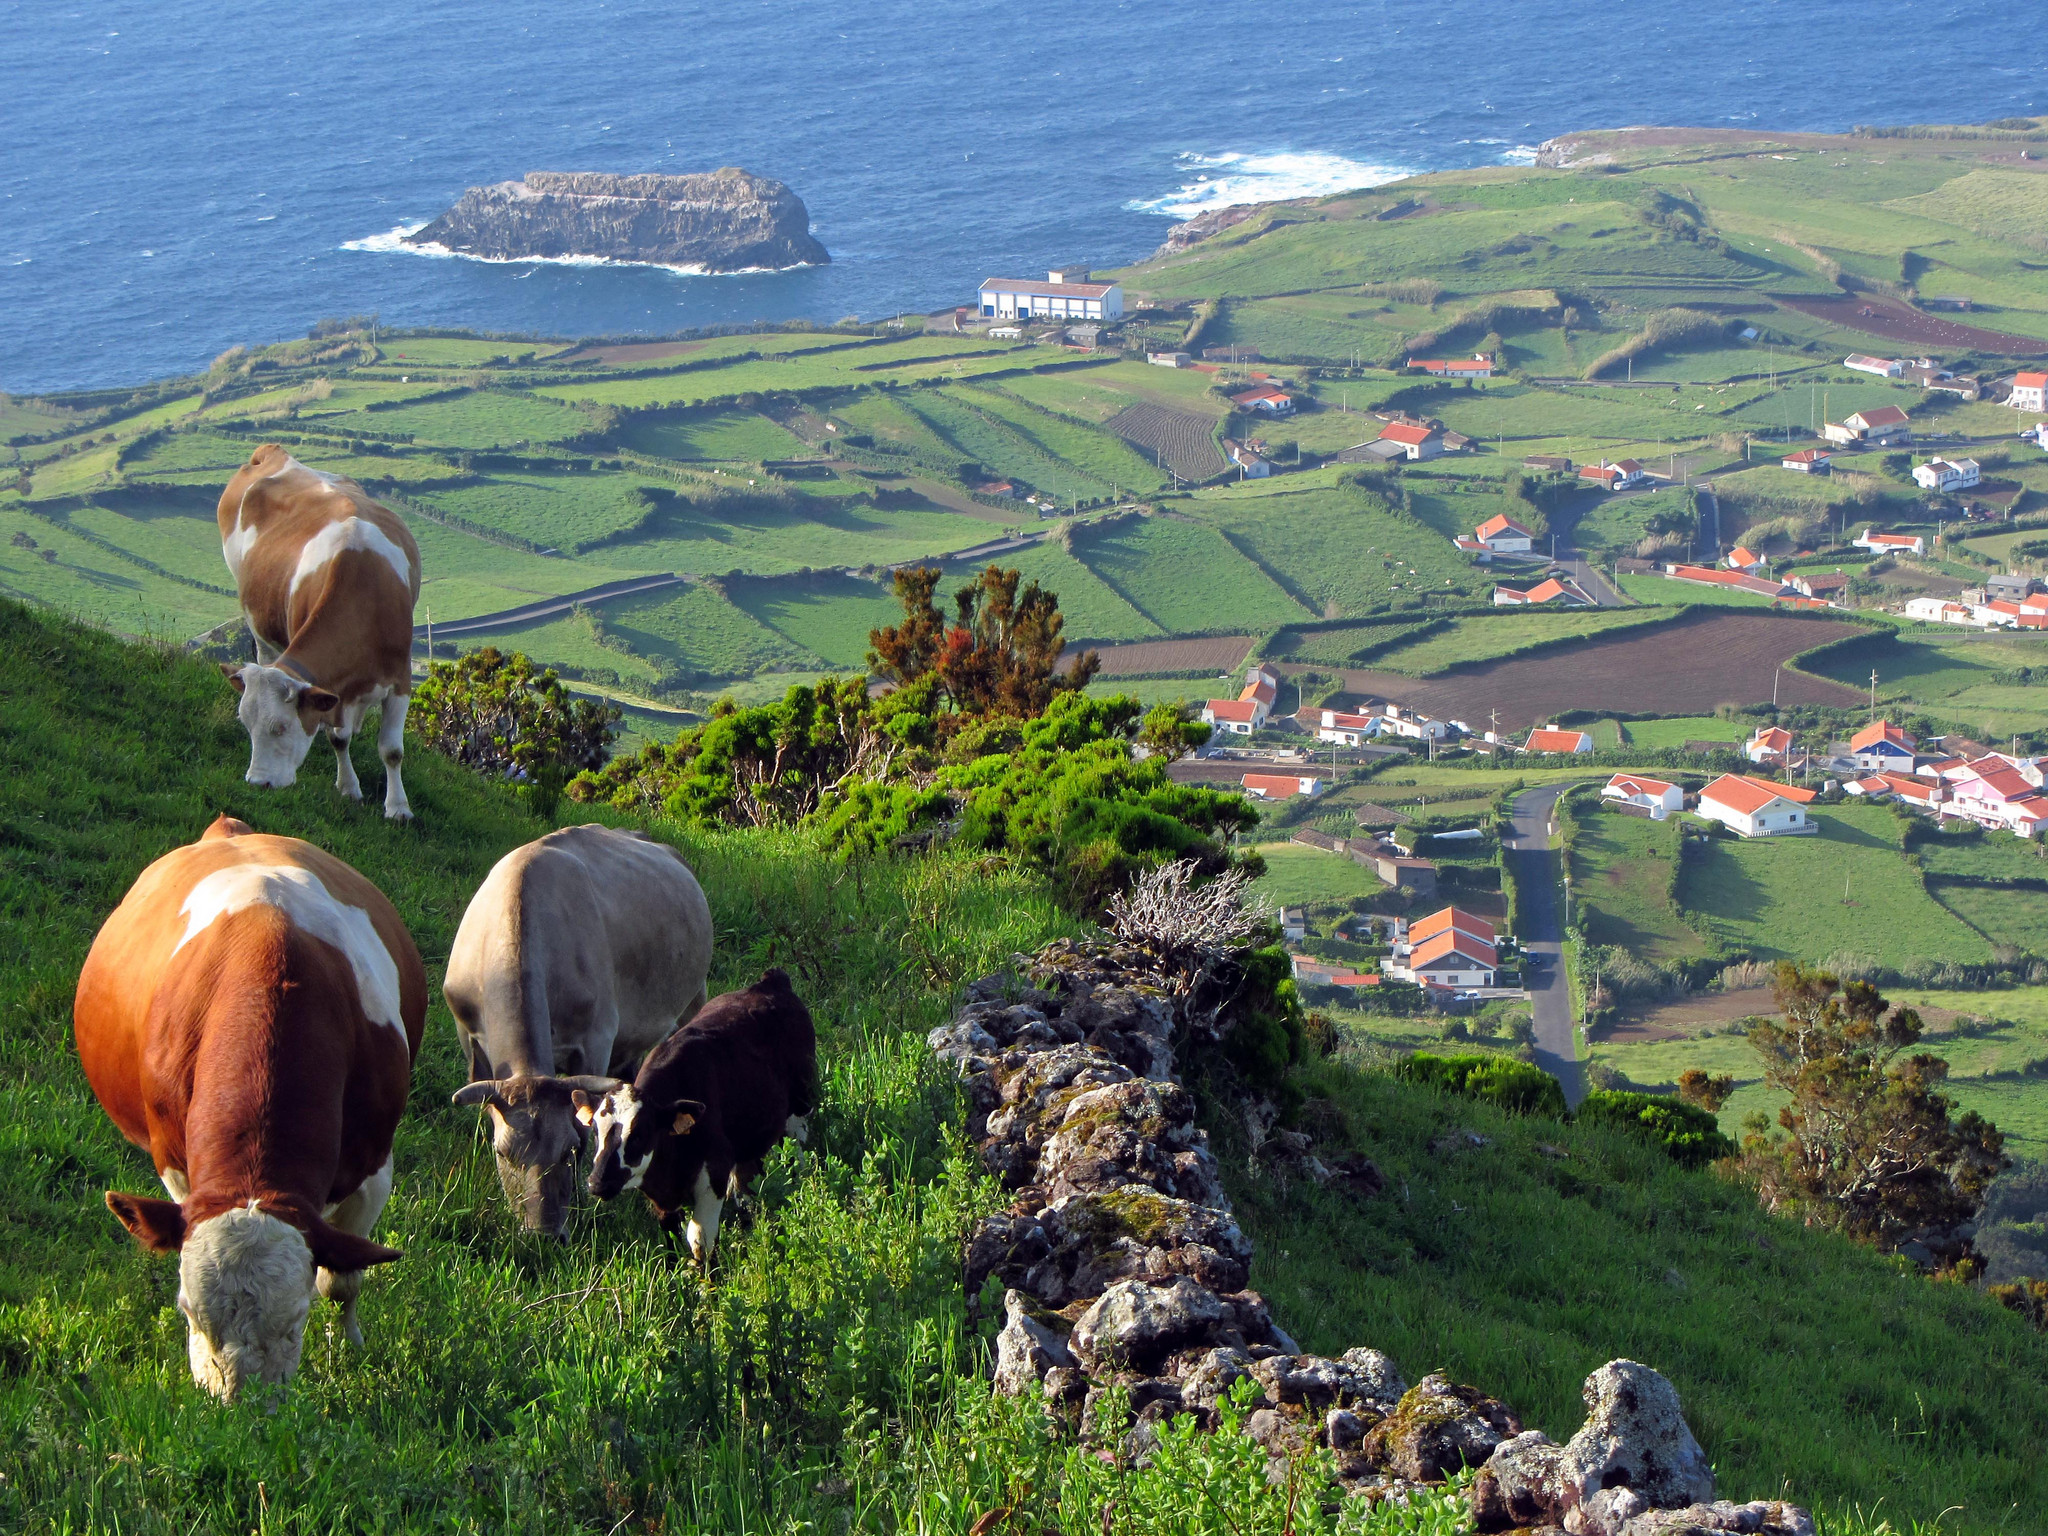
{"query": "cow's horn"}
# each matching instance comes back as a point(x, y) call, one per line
point(592, 1083)
point(485, 1092)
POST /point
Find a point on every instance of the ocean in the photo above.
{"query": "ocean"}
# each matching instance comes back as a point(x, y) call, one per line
point(183, 177)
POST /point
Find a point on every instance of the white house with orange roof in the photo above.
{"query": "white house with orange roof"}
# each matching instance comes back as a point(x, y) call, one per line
point(1807, 461)
point(1891, 543)
point(1265, 399)
point(1280, 786)
point(2029, 392)
point(1921, 794)
point(1348, 730)
point(1879, 427)
point(1562, 591)
point(1996, 792)
point(1236, 717)
point(1756, 807)
point(1615, 477)
point(1546, 739)
point(1768, 745)
point(1415, 440)
point(1947, 474)
point(1659, 797)
point(1478, 366)
point(1882, 746)
point(1504, 536)
point(1450, 948)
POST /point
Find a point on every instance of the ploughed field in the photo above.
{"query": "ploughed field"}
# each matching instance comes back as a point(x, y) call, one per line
point(1694, 664)
point(1158, 658)
point(1183, 440)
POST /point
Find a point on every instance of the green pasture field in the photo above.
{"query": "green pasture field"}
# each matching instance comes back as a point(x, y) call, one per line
point(190, 451)
point(730, 434)
point(828, 614)
point(76, 474)
point(1475, 638)
point(976, 431)
point(767, 536)
point(1093, 610)
point(1297, 875)
point(1334, 551)
point(842, 367)
point(462, 352)
point(551, 510)
point(1153, 690)
point(1621, 522)
point(698, 629)
point(1679, 729)
point(1845, 890)
point(1334, 326)
point(1662, 591)
point(1621, 868)
point(100, 587)
point(2014, 918)
point(568, 641)
point(463, 576)
point(1338, 646)
point(1103, 456)
point(1591, 417)
point(1184, 577)
point(485, 418)
point(175, 533)
point(1087, 392)
point(888, 420)
point(1948, 672)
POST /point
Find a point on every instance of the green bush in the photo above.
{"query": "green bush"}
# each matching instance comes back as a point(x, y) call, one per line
point(1515, 1086)
point(499, 715)
point(1689, 1134)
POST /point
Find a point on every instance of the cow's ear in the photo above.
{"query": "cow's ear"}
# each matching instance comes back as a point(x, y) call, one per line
point(318, 701)
point(344, 1252)
point(586, 1104)
point(687, 1111)
point(232, 671)
point(159, 1225)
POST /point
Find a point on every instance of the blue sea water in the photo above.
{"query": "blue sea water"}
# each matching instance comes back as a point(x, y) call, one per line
point(181, 177)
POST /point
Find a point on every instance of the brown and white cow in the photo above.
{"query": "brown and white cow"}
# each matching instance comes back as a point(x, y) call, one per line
point(328, 580)
point(578, 954)
point(250, 1015)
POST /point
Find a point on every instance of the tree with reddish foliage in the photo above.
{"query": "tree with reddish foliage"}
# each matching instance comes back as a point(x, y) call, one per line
point(1866, 1144)
point(999, 655)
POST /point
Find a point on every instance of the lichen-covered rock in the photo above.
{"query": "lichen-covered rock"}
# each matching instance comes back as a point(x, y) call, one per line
point(1381, 1376)
point(1135, 1325)
point(1635, 1435)
point(1026, 1348)
point(1522, 1484)
point(1320, 1383)
point(1604, 1511)
point(1439, 1427)
point(1132, 1132)
point(1760, 1517)
point(1344, 1430)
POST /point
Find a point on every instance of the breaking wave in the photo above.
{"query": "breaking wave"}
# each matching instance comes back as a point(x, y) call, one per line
point(1221, 181)
point(393, 243)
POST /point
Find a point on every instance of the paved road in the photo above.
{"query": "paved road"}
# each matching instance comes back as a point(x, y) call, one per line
point(1536, 877)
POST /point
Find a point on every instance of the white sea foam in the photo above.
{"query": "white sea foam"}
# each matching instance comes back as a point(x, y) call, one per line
point(393, 243)
point(1222, 181)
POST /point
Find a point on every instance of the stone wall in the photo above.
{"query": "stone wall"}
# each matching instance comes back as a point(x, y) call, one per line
point(1121, 1265)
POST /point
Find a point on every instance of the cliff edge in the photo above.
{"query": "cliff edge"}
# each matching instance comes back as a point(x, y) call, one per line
point(721, 221)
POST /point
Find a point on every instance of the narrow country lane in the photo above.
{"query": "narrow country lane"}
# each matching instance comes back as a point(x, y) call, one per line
point(1536, 877)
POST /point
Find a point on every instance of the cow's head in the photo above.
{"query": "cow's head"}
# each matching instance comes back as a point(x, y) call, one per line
point(628, 1129)
point(245, 1283)
point(538, 1137)
point(282, 715)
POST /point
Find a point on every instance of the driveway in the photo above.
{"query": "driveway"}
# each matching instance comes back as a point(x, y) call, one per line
point(1536, 877)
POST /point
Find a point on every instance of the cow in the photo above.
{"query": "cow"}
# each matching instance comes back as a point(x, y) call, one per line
point(250, 1015)
point(706, 1106)
point(328, 580)
point(579, 953)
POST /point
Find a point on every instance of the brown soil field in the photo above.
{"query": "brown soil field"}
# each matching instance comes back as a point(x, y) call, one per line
point(1875, 316)
point(1689, 667)
point(1141, 658)
point(1687, 1016)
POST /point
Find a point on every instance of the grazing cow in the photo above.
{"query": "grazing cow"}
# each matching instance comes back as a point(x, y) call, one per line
point(579, 953)
point(707, 1105)
point(250, 1014)
point(328, 580)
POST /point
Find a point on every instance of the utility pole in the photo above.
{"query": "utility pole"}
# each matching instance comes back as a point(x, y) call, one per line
point(1873, 693)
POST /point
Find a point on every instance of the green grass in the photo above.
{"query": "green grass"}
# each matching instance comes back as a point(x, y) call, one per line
point(773, 535)
point(1183, 577)
point(493, 418)
point(715, 435)
point(1949, 673)
point(828, 614)
point(458, 351)
point(1784, 897)
point(698, 629)
point(1092, 608)
point(88, 580)
point(1678, 730)
point(554, 511)
point(838, 367)
point(1297, 875)
point(1621, 879)
point(969, 424)
point(1619, 523)
point(1104, 457)
point(1662, 591)
point(1472, 638)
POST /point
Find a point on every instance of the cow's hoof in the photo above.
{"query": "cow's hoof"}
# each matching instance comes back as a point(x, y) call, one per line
point(402, 814)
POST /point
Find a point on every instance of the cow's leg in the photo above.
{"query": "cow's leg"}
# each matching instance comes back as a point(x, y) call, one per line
point(341, 733)
point(357, 1214)
point(706, 1207)
point(798, 1129)
point(391, 748)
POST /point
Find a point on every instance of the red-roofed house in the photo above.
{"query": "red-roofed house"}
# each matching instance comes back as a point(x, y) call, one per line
point(1504, 536)
point(1447, 918)
point(1891, 543)
point(1807, 461)
point(1564, 592)
point(1885, 425)
point(1824, 584)
point(1756, 807)
point(1995, 793)
point(1615, 477)
point(2029, 392)
point(1543, 739)
point(1450, 948)
point(1279, 786)
point(1881, 745)
point(1659, 797)
point(1415, 440)
point(1740, 559)
point(1236, 717)
point(1478, 366)
point(1706, 575)
point(1769, 745)
point(1348, 730)
point(1265, 398)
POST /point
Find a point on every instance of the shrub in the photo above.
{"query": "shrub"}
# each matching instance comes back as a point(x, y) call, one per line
point(1688, 1134)
point(1515, 1086)
point(495, 713)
